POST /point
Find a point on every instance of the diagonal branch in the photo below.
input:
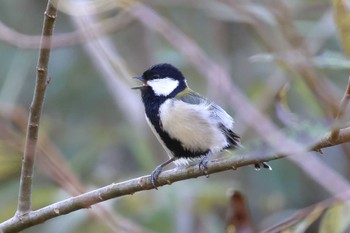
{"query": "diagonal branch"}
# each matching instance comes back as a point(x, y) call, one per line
point(86, 200)
point(25, 189)
point(342, 108)
point(343, 136)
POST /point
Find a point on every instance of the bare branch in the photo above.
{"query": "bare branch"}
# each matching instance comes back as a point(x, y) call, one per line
point(67, 39)
point(25, 190)
point(117, 190)
point(343, 136)
point(86, 200)
point(342, 107)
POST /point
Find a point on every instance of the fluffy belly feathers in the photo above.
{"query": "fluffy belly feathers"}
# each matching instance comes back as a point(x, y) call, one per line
point(192, 125)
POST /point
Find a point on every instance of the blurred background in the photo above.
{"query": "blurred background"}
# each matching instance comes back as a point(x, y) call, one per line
point(285, 57)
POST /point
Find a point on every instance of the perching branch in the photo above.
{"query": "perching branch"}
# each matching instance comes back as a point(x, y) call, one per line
point(343, 136)
point(343, 104)
point(25, 189)
point(86, 200)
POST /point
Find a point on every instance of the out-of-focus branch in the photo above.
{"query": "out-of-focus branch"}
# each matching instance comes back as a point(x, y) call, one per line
point(322, 31)
point(105, 57)
point(86, 200)
point(24, 41)
point(318, 208)
point(292, 56)
point(25, 190)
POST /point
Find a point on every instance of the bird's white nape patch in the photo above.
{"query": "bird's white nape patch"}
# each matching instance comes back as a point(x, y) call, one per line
point(163, 86)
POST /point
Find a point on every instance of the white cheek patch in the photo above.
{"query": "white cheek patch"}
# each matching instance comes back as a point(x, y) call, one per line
point(163, 86)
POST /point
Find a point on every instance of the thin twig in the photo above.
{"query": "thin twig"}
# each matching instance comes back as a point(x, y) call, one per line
point(343, 136)
point(107, 60)
point(23, 41)
point(341, 111)
point(301, 214)
point(296, 60)
point(25, 190)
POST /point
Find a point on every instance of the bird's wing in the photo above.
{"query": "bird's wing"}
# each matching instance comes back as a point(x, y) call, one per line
point(226, 125)
point(216, 112)
point(191, 97)
point(224, 120)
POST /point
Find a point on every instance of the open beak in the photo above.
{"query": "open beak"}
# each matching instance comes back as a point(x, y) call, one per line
point(144, 84)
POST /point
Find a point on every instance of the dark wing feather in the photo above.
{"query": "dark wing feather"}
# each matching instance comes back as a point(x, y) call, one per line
point(232, 138)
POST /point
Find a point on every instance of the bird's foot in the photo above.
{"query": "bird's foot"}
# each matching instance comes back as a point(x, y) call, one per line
point(158, 170)
point(203, 165)
point(155, 174)
point(263, 165)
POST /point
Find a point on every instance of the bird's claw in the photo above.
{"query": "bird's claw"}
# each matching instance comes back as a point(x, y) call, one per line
point(154, 176)
point(203, 166)
point(263, 165)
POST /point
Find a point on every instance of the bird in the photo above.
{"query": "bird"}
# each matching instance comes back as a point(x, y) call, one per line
point(189, 126)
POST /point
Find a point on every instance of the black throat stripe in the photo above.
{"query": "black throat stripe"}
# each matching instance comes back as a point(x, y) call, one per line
point(152, 106)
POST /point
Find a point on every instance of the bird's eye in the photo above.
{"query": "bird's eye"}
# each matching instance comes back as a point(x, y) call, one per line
point(156, 76)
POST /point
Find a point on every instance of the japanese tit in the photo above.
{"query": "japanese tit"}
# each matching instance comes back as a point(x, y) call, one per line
point(188, 126)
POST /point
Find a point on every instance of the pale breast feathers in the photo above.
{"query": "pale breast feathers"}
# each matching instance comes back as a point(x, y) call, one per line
point(216, 111)
point(195, 124)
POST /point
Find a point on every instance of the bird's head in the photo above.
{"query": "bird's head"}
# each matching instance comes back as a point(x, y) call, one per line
point(162, 80)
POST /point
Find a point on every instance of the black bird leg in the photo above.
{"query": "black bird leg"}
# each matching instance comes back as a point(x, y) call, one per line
point(203, 163)
point(263, 164)
point(158, 170)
